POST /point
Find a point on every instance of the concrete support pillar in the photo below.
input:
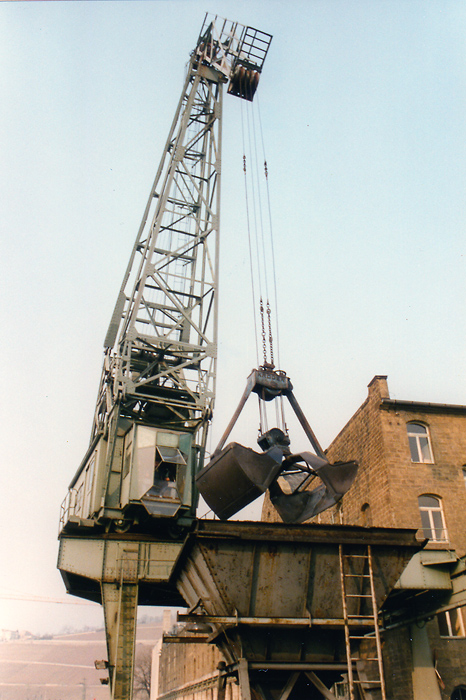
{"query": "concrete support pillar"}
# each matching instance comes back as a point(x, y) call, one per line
point(425, 685)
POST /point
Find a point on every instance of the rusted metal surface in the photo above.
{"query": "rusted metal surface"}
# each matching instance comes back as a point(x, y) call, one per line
point(273, 570)
point(272, 592)
point(272, 596)
point(236, 477)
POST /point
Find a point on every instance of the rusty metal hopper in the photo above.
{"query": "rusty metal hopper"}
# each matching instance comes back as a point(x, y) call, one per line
point(251, 579)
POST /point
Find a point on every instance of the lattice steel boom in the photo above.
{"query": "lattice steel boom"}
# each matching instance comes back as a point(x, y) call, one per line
point(159, 367)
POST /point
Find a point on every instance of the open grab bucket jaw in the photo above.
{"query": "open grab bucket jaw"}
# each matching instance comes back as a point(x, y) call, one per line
point(237, 475)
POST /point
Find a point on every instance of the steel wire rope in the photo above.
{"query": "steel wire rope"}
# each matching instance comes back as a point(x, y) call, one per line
point(258, 243)
point(254, 185)
point(280, 405)
point(262, 254)
point(265, 260)
point(272, 246)
point(253, 239)
point(251, 265)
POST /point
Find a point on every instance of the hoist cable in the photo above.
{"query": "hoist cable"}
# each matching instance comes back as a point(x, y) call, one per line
point(261, 239)
point(260, 236)
point(271, 234)
point(262, 254)
point(251, 266)
point(261, 247)
point(257, 223)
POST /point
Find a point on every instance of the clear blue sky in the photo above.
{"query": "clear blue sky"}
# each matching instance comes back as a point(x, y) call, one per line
point(363, 106)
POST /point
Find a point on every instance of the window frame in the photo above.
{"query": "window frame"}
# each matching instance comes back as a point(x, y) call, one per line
point(414, 441)
point(432, 525)
point(446, 615)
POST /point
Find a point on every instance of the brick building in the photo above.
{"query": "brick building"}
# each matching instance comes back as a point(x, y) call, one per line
point(412, 474)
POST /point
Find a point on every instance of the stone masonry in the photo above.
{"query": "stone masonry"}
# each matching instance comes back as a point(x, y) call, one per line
point(384, 494)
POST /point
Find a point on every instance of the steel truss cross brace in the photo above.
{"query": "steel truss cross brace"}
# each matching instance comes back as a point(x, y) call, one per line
point(245, 683)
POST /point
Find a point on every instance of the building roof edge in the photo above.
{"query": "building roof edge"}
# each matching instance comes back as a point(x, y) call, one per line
point(422, 407)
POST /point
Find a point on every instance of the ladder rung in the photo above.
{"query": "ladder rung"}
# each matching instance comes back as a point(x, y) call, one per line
point(367, 682)
point(358, 595)
point(357, 575)
point(361, 635)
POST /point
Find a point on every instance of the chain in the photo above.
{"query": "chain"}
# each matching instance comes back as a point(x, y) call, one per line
point(270, 333)
point(264, 344)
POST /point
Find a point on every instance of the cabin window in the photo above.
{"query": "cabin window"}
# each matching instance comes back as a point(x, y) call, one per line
point(168, 460)
point(79, 499)
point(167, 439)
point(419, 443)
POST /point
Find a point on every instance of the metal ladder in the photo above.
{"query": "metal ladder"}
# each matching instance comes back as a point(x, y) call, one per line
point(120, 600)
point(123, 686)
point(361, 622)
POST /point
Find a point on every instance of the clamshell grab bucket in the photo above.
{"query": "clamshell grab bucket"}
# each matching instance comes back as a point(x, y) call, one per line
point(236, 477)
point(297, 507)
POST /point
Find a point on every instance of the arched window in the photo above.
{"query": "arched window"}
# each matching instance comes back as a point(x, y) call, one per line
point(464, 473)
point(419, 443)
point(459, 693)
point(433, 522)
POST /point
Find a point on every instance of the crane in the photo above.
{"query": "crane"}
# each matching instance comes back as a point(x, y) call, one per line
point(135, 493)
point(157, 389)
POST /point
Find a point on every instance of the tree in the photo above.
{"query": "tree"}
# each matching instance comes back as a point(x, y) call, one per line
point(142, 672)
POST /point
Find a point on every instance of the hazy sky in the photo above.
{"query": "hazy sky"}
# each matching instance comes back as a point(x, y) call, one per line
point(363, 109)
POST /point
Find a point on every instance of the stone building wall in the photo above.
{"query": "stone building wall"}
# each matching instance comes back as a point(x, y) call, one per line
point(450, 659)
point(386, 490)
point(369, 500)
point(384, 494)
point(398, 664)
point(189, 671)
point(183, 664)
